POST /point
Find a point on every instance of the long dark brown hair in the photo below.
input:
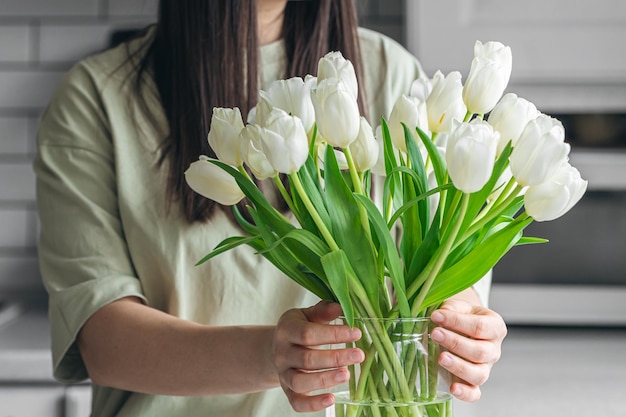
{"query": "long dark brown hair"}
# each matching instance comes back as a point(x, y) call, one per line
point(205, 54)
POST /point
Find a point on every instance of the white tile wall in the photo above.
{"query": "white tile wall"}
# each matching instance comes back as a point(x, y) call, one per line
point(39, 41)
point(46, 8)
point(15, 43)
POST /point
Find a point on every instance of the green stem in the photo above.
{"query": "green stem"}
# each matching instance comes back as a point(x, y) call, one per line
point(283, 191)
point(314, 214)
point(358, 188)
point(440, 256)
point(492, 214)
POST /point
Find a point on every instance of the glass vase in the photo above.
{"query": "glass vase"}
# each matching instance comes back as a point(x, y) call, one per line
point(400, 376)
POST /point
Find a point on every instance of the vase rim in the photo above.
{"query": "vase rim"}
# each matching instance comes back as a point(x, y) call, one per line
point(391, 319)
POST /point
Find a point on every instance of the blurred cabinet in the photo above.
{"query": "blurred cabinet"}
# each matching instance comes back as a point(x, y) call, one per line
point(568, 55)
point(45, 401)
point(24, 401)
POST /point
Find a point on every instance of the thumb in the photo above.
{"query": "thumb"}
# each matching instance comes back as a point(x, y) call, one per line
point(323, 312)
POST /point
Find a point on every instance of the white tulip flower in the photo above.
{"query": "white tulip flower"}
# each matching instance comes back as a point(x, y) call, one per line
point(556, 196)
point(342, 162)
point(336, 112)
point(412, 112)
point(334, 65)
point(252, 152)
point(488, 77)
point(445, 102)
point(471, 154)
point(223, 137)
point(364, 149)
point(284, 142)
point(421, 88)
point(510, 117)
point(540, 151)
point(213, 182)
point(293, 96)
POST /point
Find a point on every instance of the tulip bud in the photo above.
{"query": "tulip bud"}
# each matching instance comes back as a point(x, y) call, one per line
point(336, 112)
point(410, 111)
point(488, 76)
point(226, 124)
point(540, 151)
point(510, 117)
point(471, 154)
point(421, 89)
point(556, 196)
point(294, 97)
point(445, 102)
point(364, 149)
point(284, 142)
point(252, 152)
point(342, 162)
point(334, 65)
point(213, 182)
point(262, 109)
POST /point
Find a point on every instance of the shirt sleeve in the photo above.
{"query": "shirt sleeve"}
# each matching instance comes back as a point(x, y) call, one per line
point(84, 259)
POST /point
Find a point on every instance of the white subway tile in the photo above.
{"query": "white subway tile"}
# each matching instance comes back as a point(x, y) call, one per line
point(15, 43)
point(69, 43)
point(27, 89)
point(48, 7)
point(15, 224)
point(19, 273)
point(18, 182)
point(132, 7)
point(14, 135)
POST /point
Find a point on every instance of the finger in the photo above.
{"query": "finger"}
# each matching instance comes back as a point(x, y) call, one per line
point(309, 403)
point(472, 373)
point(476, 351)
point(316, 359)
point(323, 312)
point(465, 392)
point(304, 333)
point(301, 382)
point(481, 324)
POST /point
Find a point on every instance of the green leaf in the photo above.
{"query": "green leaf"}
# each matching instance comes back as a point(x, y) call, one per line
point(390, 253)
point(285, 261)
point(269, 215)
point(439, 164)
point(393, 185)
point(527, 240)
point(468, 270)
point(347, 227)
point(226, 245)
point(338, 270)
point(306, 247)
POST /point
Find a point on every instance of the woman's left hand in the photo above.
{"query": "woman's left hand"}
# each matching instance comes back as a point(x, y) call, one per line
point(472, 337)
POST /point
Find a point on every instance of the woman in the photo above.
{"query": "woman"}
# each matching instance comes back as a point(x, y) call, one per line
point(120, 231)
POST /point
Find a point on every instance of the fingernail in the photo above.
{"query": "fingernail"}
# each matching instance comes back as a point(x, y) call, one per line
point(445, 360)
point(437, 336)
point(357, 356)
point(457, 391)
point(328, 401)
point(342, 376)
point(355, 333)
point(437, 317)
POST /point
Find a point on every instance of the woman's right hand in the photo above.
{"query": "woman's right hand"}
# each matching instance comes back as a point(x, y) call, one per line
point(304, 367)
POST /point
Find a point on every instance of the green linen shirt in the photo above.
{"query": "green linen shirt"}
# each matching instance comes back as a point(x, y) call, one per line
point(107, 232)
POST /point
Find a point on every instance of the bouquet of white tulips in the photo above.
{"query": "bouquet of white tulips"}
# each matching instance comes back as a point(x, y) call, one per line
point(457, 188)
